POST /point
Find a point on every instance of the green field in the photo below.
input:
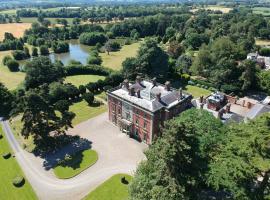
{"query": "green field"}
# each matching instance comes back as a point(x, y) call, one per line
point(197, 91)
point(83, 79)
point(112, 189)
point(78, 163)
point(115, 59)
point(261, 10)
point(9, 170)
point(84, 112)
point(10, 79)
point(34, 19)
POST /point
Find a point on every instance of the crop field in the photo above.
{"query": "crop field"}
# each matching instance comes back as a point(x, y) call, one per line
point(17, 29)
point(214, 8)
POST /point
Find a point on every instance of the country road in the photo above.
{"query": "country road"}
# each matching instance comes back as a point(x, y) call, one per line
point(117, 154)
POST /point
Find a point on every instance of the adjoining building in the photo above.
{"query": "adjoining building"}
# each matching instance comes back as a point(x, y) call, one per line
point(140, 108)
point(263, 61)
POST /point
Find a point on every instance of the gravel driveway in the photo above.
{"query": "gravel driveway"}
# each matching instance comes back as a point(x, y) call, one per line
point(117, 154)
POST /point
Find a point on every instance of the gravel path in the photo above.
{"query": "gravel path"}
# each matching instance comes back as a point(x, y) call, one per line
point(117, 154)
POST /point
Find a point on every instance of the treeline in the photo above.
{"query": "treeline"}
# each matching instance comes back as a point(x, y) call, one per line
point(11, 43)
point(105, 13)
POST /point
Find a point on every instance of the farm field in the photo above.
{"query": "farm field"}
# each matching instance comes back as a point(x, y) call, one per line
point(261, 10)
point(214, 8)
point(77, 164)
point(83, 79)
point(112, 189)
point(115, 59)
point(17, 29)
point(9, 170)
point(262, 42)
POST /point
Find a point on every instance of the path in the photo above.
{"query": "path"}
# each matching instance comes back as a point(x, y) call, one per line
point(117, 154)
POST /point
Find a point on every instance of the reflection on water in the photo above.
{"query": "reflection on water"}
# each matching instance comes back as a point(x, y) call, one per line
point(76, 52)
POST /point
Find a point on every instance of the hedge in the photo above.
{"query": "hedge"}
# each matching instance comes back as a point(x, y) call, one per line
point(1, 136)
point(6, 155)
point(88, 69)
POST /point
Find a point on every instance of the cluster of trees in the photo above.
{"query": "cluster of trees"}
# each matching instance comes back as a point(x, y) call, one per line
point(60, 47)
point(94, 58)
point(11, 43)
point(5, 18)
point(12, 64)
point(92, 38)
point(197, 157)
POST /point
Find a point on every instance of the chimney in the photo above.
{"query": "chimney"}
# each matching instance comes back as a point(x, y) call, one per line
point(201, 99)
point(168, 85)
point(180, 93)
point(126, 84)
point(154, 81)
point(138, 79)
point(228, 108)
point(132, 92)
point(220, 114)
point(139, 93)
point(158, 97)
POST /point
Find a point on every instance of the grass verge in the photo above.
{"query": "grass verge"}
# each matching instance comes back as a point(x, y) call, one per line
point(9, 170)
point(112, 189)
point(76, 164)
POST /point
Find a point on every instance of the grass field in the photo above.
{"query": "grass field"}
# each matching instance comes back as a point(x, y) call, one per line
point(10, 79)
point(83, 79)
point(197, 91)
point(34, 19)
point(262, 42)
point(9, 170)
point(115, 59)
point(261, 10)
point(112, 189)
point(17, 29)
point(78, 163)
point(214, 8)
point(84, 112)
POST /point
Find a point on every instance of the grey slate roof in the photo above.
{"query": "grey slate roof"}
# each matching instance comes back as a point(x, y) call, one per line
point(257, 110)
point(148, 93)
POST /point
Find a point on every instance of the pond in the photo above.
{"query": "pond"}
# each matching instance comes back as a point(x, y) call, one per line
point(77, 51)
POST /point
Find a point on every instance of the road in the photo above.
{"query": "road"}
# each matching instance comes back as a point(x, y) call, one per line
point(117, 154)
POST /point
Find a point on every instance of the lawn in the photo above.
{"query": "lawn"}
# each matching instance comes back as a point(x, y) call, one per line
point(112, 189)
point(78, 163)
point(262, 42)
point(83, 79)
point(9, 170)
point(115, 59)
point(265, 11)
point(197, 91)
point(10, 79)
point(84, 112)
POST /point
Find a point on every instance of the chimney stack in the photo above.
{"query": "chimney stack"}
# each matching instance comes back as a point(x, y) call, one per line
point(132, 91)
point(139, 93)
point(158, 96)
point(228, 108)
point(180, 93)
point(168, 85)
point(126, 84)
point(154, 81)
point(138, 79)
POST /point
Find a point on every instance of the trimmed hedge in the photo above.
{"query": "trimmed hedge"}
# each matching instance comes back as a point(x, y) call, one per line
point(6, 155)
point(18, 181)
point(88, 69)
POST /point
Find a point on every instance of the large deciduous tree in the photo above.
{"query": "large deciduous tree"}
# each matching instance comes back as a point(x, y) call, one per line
point(6, 100)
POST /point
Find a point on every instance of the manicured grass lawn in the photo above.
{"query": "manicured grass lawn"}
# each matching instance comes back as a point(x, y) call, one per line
point(102, 95)
point(197, 91)
point(9, 170)
point(83, 79)
point(79, 162)
point(115, 59)
point(10, 79)
point(112, 189)
point(84, 112)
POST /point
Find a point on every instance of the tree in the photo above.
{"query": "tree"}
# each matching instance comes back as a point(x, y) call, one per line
point(40, 70)
point(44, 50)
point(19, 55)
point(94, 58)
point(6, 59)
point(92, 38)
point(112, 46)
point(82, 89)
point(76, 21)
point(13, 65)
point(249, 75)
point(34, 52)
point(6, 101)
point(89, 98)
point(177, 162)
point(26, 52)
point(129, 68)
point(264, 81)
point(265, 51)
point(175, 49)
point(242, 164)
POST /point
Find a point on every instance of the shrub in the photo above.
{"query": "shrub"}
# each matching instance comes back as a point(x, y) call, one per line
point(265, 51)
point(6, 59)
point(198, 85)
point(18, 181)
point(89, 98)
point(1, 136)
point(34, 51)
point(82, 89)
point(6, 155)
point(44, 50)
point(185, 78)
point(88, 69)
point(19, 55)
point(191, 83)
point(13, 65)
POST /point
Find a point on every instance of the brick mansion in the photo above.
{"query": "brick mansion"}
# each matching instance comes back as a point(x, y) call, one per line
point(140, 108)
